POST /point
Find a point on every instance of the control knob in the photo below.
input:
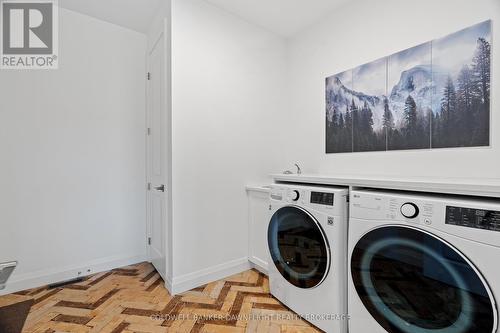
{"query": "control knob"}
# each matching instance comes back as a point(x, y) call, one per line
point(409, 210)
point(294, 195)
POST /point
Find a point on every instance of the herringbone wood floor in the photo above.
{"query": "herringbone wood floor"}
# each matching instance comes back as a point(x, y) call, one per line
point(133, 299)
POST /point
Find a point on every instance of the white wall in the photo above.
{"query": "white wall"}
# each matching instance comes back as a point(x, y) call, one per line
point(364, 31)
point(245, 103)
point(228, 96)
point(72, 156)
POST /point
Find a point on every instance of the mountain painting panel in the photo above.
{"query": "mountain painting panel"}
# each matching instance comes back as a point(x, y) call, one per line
point(461, 102)
point(339, 123)
point(434, 95)
point(367, 106)
point(408, 110)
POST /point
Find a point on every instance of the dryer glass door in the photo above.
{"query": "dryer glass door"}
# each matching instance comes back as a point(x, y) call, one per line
point(298, 247)
point(413, 282)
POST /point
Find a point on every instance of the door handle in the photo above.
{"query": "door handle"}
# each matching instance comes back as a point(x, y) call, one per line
point(160, 188)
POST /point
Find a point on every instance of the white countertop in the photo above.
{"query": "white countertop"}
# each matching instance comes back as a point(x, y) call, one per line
point(258, 188)
point(487, 187)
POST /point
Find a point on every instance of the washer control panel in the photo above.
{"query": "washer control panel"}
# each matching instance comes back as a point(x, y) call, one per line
point(476, 219)
point(473, 218)
point(378, 206)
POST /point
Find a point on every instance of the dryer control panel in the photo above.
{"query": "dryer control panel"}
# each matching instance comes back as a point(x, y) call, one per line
point(377, 206)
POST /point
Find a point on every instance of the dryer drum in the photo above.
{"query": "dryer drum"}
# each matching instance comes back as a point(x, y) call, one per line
point(298, 247)
point(413, 282)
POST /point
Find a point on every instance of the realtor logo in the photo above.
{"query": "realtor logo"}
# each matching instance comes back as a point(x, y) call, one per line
point(29, 34)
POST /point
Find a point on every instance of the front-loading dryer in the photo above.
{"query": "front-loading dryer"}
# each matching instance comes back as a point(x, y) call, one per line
point(423, 263)
point(307, 241)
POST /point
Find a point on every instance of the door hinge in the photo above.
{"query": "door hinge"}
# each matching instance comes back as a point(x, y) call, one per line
point(149, 186)
point(149, 240)
point(149, 76)
point(149, 131)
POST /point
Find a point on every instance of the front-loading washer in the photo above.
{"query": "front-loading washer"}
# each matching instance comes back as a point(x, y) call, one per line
point(307, 242)
point(423, 263)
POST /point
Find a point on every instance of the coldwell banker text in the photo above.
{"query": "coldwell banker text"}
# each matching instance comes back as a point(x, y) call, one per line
point(29, 34)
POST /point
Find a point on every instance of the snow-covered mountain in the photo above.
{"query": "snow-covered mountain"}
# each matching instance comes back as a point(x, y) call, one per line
point(339, 98)
point(416, 82)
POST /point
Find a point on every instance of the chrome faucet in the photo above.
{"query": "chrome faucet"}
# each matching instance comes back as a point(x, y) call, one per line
point(288, 172)
point(299, 170)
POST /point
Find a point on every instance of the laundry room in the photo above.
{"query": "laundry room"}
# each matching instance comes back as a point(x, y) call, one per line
point(249, 166)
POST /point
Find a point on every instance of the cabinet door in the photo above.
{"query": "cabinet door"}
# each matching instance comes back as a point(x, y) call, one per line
point(258, 219)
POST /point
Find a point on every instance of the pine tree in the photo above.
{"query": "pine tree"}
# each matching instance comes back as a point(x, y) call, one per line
point(448, 102)
point(335, 117)
point(364, 136)
point(388, 119)
point(348, 119)
point(481, 66)
point(341, 121)
point(448, 113)
point(353, 109)
point(410, 115)
point(367, 118)
point(467, 100)
point(354, 118)
point(347, 133)
point(466, 91)
point(411, 128)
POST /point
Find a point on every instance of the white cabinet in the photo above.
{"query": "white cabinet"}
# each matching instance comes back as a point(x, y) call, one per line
point(258, 220)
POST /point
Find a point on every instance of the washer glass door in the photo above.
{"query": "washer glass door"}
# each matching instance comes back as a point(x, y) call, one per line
point(413, 282)
point(298, 247)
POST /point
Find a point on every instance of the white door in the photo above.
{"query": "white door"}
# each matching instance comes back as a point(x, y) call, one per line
point(157, 157)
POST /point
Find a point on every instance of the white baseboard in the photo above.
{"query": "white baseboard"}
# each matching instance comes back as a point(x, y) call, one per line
point(55, 275)
point(259, 265)
point(178, 285)
point(192, 280)
point(168, 285)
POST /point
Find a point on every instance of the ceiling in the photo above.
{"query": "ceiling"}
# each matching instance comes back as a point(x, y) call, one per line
point(133, 14)
point(284, 17)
